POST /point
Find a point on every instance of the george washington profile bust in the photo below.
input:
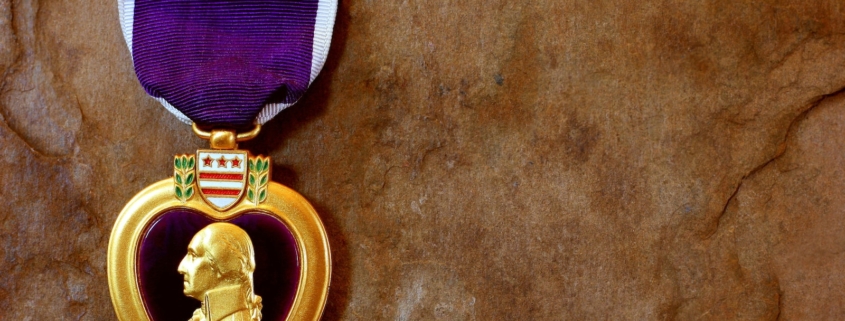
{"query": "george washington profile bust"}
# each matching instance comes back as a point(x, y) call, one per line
point(217, 271)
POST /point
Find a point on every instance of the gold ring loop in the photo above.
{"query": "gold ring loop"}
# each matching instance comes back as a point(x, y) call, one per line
point(201, 133)
point(241, 137)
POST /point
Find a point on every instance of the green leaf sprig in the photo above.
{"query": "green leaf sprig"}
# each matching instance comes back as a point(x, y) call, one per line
point(183, 176)
point(259, 177)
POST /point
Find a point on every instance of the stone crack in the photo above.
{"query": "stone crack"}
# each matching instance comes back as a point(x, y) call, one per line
point(778, 153)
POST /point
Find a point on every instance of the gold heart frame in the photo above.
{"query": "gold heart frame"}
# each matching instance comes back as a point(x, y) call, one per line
point(282, 203)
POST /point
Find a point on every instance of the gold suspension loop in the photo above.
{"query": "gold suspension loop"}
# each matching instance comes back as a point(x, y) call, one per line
point(242, 137)
point(225, 139)
point(201, 133)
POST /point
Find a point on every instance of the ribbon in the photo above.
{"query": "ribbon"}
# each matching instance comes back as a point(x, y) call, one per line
point(227, 63)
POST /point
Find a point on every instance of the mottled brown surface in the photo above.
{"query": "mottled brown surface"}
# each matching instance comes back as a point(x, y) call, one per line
point(475, 160)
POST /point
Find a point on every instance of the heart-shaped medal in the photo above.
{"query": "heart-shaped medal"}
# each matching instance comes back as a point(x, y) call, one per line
point(219, 241)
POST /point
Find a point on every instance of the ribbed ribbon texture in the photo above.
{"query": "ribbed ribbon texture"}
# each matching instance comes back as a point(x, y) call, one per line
point(220, 62)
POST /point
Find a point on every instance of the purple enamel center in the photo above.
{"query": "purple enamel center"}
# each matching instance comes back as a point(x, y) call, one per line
point(166, 242)
point(220, 61)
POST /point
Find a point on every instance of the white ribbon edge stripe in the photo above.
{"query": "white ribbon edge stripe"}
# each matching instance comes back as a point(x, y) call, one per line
point(323, 28)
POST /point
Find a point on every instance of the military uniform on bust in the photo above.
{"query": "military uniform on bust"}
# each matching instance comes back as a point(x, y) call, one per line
point(222, 305)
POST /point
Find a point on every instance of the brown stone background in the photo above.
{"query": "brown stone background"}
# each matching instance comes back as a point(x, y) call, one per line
point(475, 160)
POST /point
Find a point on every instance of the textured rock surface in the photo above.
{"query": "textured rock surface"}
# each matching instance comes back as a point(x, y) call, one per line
point(475, 160)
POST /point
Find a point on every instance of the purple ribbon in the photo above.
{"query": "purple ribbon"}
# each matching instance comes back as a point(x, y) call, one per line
point(220, 62)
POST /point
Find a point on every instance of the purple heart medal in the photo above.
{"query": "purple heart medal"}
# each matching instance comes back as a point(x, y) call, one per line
point(219, 240)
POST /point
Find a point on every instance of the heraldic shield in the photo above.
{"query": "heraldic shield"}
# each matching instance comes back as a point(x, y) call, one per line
point(263, 239)
point(221, 176)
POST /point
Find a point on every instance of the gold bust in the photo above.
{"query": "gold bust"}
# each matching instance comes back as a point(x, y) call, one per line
point(217, 271)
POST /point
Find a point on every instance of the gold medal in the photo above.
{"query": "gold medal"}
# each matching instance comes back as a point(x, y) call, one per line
point(219, 241)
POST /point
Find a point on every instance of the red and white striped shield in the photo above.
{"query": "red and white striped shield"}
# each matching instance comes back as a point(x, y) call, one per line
point(221, 176)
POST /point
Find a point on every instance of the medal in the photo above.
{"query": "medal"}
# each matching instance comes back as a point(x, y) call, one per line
point(219, 240)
